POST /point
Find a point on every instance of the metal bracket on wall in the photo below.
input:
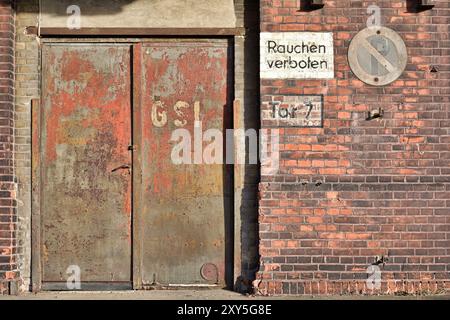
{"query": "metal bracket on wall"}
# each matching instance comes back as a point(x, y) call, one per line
point(31, 31)
point(311, 5)
point(419, 5)
point(374, 114)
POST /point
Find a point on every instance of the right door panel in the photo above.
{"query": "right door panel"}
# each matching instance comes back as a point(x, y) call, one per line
point(186, 208)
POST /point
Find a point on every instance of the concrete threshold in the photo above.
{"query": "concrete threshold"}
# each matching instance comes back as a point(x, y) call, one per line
point(194, 295)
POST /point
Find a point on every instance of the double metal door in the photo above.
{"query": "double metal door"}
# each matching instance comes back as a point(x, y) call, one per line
point(116, 209)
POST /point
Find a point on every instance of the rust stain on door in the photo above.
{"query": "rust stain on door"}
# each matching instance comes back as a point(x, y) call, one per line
point(185, 206)
point(86, 131)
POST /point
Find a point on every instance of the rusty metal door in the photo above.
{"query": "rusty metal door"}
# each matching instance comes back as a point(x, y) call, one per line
point(86, 165)
point(185, 207)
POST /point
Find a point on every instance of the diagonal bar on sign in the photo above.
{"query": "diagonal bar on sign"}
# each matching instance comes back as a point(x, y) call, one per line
point(381, 59)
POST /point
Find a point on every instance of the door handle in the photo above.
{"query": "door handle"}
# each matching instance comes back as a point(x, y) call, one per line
point(122, 167)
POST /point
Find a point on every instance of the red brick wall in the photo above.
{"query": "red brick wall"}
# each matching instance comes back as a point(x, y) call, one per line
point(7, 185)
point(358, 189)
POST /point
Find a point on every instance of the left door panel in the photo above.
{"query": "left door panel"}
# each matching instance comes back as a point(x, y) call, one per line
point(85, 187)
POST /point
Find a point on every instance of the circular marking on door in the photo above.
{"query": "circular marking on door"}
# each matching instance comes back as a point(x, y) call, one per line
point(377, 55)
point(210, 272)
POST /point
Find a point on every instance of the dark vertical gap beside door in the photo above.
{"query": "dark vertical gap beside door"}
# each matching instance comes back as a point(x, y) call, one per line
point(229, 173)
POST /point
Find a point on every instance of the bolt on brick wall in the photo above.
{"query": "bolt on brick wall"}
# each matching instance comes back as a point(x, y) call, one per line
point(8, 219)
point(357, 189)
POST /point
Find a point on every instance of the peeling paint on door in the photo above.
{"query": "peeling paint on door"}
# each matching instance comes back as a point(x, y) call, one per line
point(185, 207)
point(86, 204)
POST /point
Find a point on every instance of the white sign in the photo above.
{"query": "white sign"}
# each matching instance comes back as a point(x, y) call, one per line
point(377, 56)
point(297, 55)
point(294, 111)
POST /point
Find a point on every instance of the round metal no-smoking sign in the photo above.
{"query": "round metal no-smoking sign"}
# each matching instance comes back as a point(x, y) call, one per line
point(377, 56)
